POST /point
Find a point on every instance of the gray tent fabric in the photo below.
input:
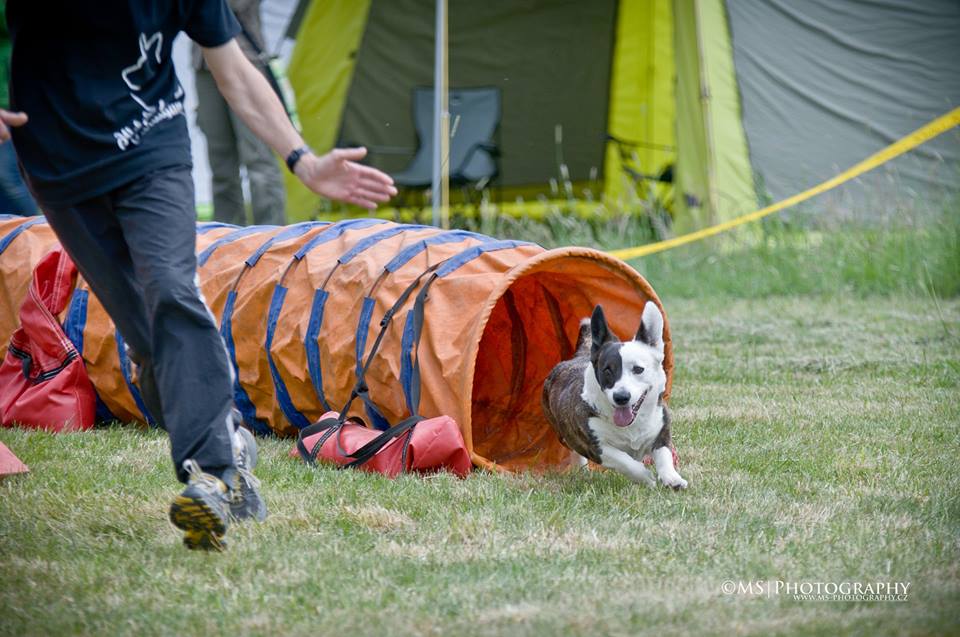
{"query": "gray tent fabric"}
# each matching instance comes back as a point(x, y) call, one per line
point(826, 83)
point(550, 59)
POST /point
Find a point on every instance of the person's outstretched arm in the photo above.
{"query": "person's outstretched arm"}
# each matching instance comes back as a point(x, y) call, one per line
point(335, 175)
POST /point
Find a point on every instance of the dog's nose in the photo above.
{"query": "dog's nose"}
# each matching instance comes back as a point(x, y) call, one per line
point(621, 397)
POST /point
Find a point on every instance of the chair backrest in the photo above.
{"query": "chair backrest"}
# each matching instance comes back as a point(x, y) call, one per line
point(474, 116)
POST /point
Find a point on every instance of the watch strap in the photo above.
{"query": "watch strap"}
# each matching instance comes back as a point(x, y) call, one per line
point(295, 156)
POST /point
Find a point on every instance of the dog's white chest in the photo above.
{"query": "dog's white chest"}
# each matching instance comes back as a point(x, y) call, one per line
point(637, 439)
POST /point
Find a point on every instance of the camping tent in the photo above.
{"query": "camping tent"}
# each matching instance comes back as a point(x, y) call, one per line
point(736, 101)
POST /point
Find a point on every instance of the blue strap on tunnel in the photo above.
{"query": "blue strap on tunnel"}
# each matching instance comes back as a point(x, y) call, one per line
point(447, 237)
point(406, 366)
point(470, 254)
point(411, 337)
point(360, 343)
point(128, 379)
point(368, 242)
point(335, 231)
point(16, 232)
point(296, 418)
point(366, 314)
point(73, 326)
point(291, 232)
point(204, 256)
point(206, 226)
point(240, 396)
point(311, 345)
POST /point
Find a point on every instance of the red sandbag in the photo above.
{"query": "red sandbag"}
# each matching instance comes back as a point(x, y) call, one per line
point(43, 383)
point(9, 463)
point(420, 445)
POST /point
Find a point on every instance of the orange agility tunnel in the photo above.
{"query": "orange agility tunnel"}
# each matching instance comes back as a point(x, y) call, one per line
point(471, 325)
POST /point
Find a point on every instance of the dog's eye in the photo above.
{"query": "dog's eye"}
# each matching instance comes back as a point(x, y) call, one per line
point(637, 370)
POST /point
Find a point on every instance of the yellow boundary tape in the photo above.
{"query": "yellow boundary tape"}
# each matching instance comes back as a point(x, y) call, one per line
point(940, 125)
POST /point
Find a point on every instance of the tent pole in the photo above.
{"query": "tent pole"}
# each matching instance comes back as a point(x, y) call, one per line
point(441, 123)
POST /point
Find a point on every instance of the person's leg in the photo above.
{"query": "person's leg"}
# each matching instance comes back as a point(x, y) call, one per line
point(15, 199)
point(193, 377)
point(216, 122)
point(269, 199)
point(91, 235)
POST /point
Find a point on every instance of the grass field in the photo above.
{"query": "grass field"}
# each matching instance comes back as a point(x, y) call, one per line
point(819, 435)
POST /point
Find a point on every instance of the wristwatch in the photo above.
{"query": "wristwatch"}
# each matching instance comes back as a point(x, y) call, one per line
point(295, 156)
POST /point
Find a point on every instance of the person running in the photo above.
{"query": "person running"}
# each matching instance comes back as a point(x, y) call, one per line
point(98, 124)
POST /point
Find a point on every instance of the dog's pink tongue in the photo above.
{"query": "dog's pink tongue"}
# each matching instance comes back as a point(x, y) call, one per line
point(622, 416)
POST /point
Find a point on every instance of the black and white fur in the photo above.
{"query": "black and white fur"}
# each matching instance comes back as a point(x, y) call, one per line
point(606, 403)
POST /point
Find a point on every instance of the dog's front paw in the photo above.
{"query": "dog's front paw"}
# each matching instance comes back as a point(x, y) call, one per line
point(674, 481)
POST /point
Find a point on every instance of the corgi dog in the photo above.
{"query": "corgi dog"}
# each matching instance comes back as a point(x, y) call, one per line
point(606, 403)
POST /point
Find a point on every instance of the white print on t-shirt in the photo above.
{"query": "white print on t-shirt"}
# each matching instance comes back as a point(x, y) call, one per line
point(138, 75)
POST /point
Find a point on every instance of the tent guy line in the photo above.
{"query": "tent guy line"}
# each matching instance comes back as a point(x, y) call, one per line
point(903, 145)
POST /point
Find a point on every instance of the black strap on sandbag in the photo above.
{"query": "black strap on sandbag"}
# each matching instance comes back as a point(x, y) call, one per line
point(333, 426)
point(369, 450)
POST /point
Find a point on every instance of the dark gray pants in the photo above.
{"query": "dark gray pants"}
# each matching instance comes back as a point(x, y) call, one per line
point(135, 246)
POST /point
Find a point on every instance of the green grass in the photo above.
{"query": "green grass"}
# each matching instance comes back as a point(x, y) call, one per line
point(819, 435)
point(802, 253)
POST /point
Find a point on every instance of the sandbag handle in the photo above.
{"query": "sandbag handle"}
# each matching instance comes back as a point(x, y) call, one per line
point(331, 425)
point(369, 450)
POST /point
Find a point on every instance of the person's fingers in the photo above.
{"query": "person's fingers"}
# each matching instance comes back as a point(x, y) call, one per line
point(377, 184)
point(363, 203)
point(13, 118)
point(350, 154)
point(388, 191)
point(4, 133)
point(368, 172)
point(373, 195)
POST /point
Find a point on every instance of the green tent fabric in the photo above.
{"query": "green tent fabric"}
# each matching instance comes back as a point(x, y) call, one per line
point(570, 74)
point(737, 100)
point(642, 95)
point(550, 61)
point(320, 71)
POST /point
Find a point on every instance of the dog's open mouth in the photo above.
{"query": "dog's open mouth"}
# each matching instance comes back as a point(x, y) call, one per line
point(623, 416)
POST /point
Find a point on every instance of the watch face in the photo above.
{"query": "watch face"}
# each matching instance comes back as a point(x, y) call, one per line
point(295, 156)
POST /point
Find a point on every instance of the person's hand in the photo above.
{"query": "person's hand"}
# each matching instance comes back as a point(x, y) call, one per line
point(337, 175)
point(8, 119)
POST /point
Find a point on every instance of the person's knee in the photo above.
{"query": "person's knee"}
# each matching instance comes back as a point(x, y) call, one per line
point(171, 292)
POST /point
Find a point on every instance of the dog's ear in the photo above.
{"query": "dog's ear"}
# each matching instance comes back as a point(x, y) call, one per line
point(651, 327)
point(599, 332)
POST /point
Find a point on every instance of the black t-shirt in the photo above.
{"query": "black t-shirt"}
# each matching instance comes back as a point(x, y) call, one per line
point(97, 81)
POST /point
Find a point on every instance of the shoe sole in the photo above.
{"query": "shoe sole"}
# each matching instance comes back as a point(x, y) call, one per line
point(203, 528)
